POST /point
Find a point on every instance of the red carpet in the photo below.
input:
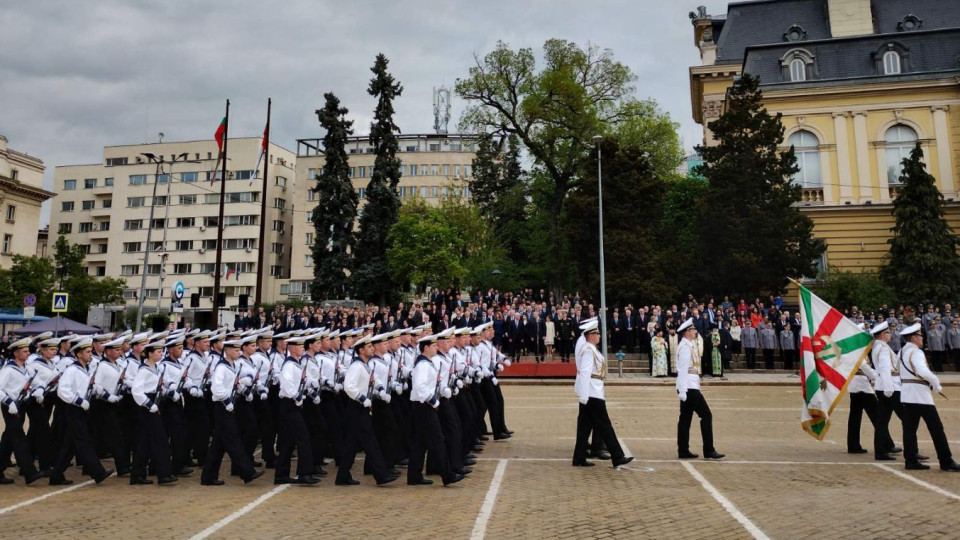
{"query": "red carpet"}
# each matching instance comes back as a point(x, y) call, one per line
point(542, 370)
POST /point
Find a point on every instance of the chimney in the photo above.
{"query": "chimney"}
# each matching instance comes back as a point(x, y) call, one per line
point(850, 17)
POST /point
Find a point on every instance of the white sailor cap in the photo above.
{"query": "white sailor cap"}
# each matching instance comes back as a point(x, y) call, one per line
point(174, 341)
point(910, 330)
point(296, 340)
point(430, 339)
point(203, 334)
point(154, 346)
point(140, 338)
point(84, 343)
point(590, 327)
point(249, 340)
point(114, 344)
point(878, 329)
point(282, 335)
point(333, 335)
point(361, 342)
point(21, 343)
point(125, 333)
point(160, 335)
point(42, 336)
point(380, 338)
point(446, 334)
point(462, 331)
point(686, 324)
point(368, 326)
point(233, 344)
point(50, 342)
point(477, 331)
point(216, 336)
point(102, 338)
point(193, 333)
point(265, 334)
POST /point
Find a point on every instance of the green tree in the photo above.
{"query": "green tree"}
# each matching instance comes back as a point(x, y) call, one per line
point(84, 289)
point(499, 190)
point(425, 249)
point(843, 288)
point(336, 209)
point(681, 204)
point(554, 112)
point(28, 275)
point(752, 237)
point(483, 249)
point(371, 278)
point(923, 263)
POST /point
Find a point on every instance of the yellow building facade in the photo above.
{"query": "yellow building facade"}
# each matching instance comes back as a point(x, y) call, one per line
point(858, 84)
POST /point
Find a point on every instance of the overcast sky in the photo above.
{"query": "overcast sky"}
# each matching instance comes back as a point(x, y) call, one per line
point(77, 76)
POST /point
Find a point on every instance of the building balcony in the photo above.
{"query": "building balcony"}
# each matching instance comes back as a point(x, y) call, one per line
point(894, 190)
point(811, 197)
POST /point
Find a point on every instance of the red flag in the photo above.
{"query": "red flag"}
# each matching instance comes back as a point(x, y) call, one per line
point(221, 131)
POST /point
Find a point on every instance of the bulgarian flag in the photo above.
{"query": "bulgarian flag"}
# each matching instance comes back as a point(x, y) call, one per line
point(263, 151)
point(227, 271)
point(219, 136)
point(832, 349)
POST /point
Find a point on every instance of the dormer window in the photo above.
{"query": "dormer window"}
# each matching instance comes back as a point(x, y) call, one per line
point(891, 63)
point(892, 59)
point(797, 65)
point(910, 23)
point(795, 33)
point(798, 70)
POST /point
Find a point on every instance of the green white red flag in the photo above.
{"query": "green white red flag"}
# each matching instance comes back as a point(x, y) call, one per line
point(219, 136)
point(832, 348)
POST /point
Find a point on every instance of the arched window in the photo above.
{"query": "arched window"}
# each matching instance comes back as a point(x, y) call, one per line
point(798, 70)
point(891, 63)
point(900, 141)
point(806, 148)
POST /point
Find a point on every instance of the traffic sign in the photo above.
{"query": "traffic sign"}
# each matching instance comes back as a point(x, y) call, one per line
point(177, 307)
point(60, 302)
point(29, 312)
point(178, 291)
point(29, 300)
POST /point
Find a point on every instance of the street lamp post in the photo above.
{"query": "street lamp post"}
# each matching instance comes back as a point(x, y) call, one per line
point(146, 253)
point(182, 158)
point(603, 282)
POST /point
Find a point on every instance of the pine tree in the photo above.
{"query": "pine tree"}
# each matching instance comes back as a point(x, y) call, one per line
point(923, 261)
point(334, 239)
point(371, 281)
point(498, 189)
point(752, 237)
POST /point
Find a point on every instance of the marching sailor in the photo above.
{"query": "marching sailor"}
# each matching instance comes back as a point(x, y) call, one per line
point(887, 387)
point(105, 409)
point(14, 392)
point(153, 447)
point(691, 400)
point(862, 399)
point(293, 429)
point(44, 373)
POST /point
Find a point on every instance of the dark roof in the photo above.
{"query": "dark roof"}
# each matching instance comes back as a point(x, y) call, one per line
point(925, 54)
point(887, 14)
point(766, 21)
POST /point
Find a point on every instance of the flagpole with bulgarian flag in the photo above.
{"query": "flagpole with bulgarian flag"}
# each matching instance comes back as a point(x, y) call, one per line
point(221, 137)
point(832, 348)
point(261, 247)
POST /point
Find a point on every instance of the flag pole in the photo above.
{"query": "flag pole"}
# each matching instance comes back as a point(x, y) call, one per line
point(261, 254)
point(223, 196)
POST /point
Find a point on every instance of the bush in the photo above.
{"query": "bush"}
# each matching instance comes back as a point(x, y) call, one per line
point(843, 289)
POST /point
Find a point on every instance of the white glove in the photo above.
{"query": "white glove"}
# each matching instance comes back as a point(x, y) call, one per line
point(326, 383)
point(154, 409)
point(583, 401)
point(456, 391)
point(446, 393)
point(298, 402)
point(506, 362)
point(337, 387)
point(229, 407)
point(246, 381)
point(176, 396)
point(316, 399)
point(367, 403)
point(382, 394)
point(37, 394)
point(683, 396)
point(888, 393)
point(114, 399)
point(12, 408)
point(495, 381)
point(249, 396)
point(405, 387)
point(386, 398)
point(939, 388)
point(435, 403)
point(264, 395)
point(98, 390)
point(85, 405)
point(459, 383)
point(469, 380)
point(195, 392)
point(313, 383)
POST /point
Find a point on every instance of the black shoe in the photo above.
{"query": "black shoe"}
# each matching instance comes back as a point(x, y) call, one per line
point(884, 457)
point(186, 471)
point(453, 479)
point(622, 461)
point(602, 456)
point(254, 476)
point(508, 432)
point(857, 451)
point(463, 470)
point(469, 456)
point(388, 479)
point(484, 438)
point(283, 480)
point(896, 450)
point(916, 466)
point(4, 481)
point(217, 482)
point(257, 463)
point(687, 455)
point(348, 482)
point(31, 479)
point(583, 463)
point(106, 474)
point(45, 473)
point(166, 480)
point(307, 480)
point(469, 462)
point(403, 462)
point(476, 448)
point(319, 472)
point(713, 455)
point(60, 481)
point(134, 481)
point(921, 457)
point(953, 466)
point(123, 472)
point(420, 482)
point(501, 437)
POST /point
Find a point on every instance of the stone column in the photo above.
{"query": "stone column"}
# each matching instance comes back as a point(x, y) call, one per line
point(844, 178)
point(944, 161)
point(863, 164)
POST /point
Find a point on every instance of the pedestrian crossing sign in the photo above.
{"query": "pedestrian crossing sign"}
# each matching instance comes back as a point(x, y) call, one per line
point(60, 302)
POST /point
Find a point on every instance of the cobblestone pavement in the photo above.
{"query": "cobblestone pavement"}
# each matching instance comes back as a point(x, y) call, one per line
point(776, 482)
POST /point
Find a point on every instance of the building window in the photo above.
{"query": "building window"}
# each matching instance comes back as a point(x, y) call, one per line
point(85, 248)
point(138, 179)
point(446, 170)
point(89, 183)
point(154, 269)
point(806, 148)
point(434, 147)
point(184, 245)
point(182, 268)
point(901, 140)
point(14, 174)
point(185, 222)
point(308, 260)
point(362, 172)
point(279, 203)
point(798, 70)
point(7, 242)
point(12, 212)
point(209, 244)
point(413, 170)
point(281, 181)
point(135, 202)
point(108, 182)
point(242, 175)
point(86, 226)
point(129, 294)
point(891, 63)
point(208, 268)
point(130, 270)
point(69, 184)
point(361, 193)
point(233, 221)
point(104, 225)
point(131, 247)
point(189, 176)
point(188, 199)
point(309, 238)
point(65, 228)
point(276, 247)
point(158, 223)
point(411, 149)
point(113, 162)
point(277, 225)
point(163, 178)
point(132, 224)
point(160, 200)
point(238, 243)
point(101, 248)
point(311, 195)
point(211, 221)
point(276, 271)
point(99, 271)
point(66, 206)
point(150, 293)
point(108, 203)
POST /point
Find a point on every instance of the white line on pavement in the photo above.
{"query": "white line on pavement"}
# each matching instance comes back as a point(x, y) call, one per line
point(42, 497)
point(480, 526)
point(705, 461)
point(623, 444)
point(727, 505)
point(239, 513)
point(919, 482)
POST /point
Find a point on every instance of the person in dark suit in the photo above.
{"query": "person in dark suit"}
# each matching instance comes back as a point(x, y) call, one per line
point(726, 346)
point(616, 330)
point(536, 332)
point(702, 323)
point(629, 330)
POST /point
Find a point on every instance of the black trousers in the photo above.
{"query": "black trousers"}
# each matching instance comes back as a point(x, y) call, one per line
point(498, 393)
point(360, 435)
point(955, 355)
point(129, 420)
point(14, 441)
point(332, 412)
point(452, 437)
point(563, 349)
point(468, 419)
point(79, 442)
point(592, 416)
point(226, 439)
point(936, 358)
point(768, 358)
point(886, 406)
point(40, 435)
point(198, 426)
point(787, 356)
point(860, 402)
point(387, 431)
point(912, 413)
point(176, 426)
point(247, 422)
point(268, 429)
point(481, 406)
point(153, 446)
point(294, 434)
point(106, 416)
point(317, 427)
point(493, 407)
point(427, 435)
point(751, 356)
point(401, 412)
point(695, 403)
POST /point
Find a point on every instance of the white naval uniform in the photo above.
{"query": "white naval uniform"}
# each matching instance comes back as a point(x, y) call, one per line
point(688, 367)
point(74, 384)
point(887, 365)
point(328, 367)
point(144, 383)
point(107, 379)
point(291, 373)
point(591, 369)
point(381, 371)
point(196, 369)
point(12, 380)
point(860, 384)
point(222, 380)
point(424, 382)
point(356, 382)
point(45, 371)
point(915, 386)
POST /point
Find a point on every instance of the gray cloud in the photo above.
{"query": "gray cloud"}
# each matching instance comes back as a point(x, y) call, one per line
point(78, 76)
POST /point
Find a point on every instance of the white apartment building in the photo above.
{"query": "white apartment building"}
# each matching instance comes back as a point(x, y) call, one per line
point(106, 208)
point(21, 195)
point(434, 166)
